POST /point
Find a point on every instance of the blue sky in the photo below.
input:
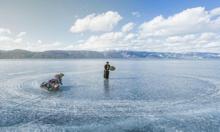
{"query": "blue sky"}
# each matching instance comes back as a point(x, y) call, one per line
point(46, 24)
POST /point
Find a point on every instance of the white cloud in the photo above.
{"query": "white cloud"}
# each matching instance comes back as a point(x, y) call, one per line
point(195, 20)
point(102, 42)
point(4, 31)
point(215, 12)
point(8, 38)
point(128, 27)
point(18, 40)
point(21, 34)
point(5, 38)
point(202, 42)
point(130, 36)
point(96, 22)
point(136, 14)
point(11, 40)
point(39, 41)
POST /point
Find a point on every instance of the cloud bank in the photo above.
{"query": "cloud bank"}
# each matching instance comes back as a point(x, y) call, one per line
point(191, 30)
point(190, 21)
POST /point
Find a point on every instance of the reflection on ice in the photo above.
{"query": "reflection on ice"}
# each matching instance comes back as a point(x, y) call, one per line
point(106, 87)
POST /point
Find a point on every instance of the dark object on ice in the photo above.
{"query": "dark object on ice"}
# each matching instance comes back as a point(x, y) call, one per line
point(112, 68)
point(53, 84)
point(59, 78)
point(106, 70)
point(50, 86)
point(106, 74)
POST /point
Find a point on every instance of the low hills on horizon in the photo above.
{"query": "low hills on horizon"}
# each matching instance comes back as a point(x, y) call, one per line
point(62, 54)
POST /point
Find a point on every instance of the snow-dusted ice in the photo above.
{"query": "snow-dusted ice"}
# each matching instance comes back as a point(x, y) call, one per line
point(140, 96)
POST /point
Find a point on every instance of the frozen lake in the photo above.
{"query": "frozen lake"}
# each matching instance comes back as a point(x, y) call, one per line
point(140, 96)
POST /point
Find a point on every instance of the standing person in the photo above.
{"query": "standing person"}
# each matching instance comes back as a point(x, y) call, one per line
point(106, 70)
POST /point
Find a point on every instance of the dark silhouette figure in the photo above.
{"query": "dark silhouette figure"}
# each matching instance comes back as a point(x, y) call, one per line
point(53, 84)
point(106, 70)
point(59, 77)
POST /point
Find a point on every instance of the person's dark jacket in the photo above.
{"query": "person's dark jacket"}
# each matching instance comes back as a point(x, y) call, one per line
point(106, 71)
point(59, 78)
point(107, 67)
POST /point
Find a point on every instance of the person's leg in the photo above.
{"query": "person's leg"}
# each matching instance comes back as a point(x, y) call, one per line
point(107, 74)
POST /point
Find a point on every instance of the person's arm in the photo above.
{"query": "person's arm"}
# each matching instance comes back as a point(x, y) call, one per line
point(108, 67)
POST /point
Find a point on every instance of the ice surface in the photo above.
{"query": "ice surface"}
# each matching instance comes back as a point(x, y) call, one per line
point(140, 96)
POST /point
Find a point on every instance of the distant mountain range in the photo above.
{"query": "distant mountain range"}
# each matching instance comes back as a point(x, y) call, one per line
point(59, 54)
